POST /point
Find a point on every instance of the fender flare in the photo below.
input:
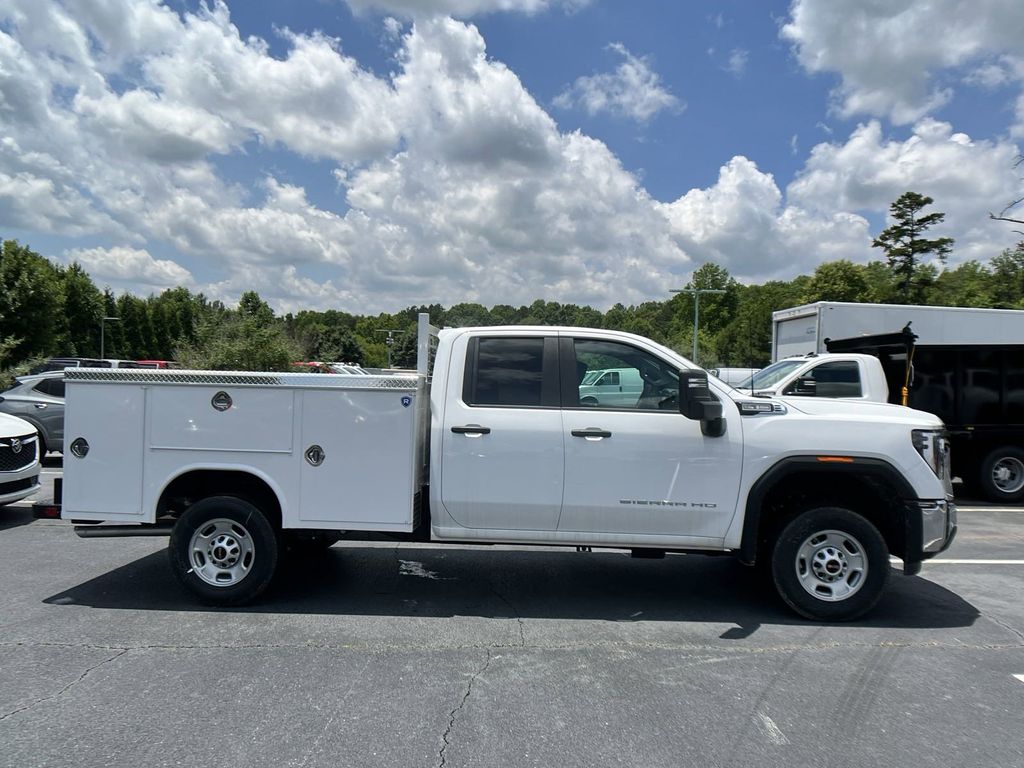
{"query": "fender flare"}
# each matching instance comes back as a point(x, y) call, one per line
point(241, 469)
point(858, 467)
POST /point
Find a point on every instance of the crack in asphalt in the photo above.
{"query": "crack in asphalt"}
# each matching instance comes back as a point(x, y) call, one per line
point(1012, 630)
point(442, 758)
point(516, 616)
point(67, 687)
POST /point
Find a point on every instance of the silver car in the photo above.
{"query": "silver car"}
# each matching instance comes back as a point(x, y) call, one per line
point(39, 400)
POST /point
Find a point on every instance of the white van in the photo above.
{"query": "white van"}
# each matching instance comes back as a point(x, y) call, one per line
point(611, 387)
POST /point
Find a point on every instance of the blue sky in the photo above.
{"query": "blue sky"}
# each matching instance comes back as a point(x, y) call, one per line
point(366, 155)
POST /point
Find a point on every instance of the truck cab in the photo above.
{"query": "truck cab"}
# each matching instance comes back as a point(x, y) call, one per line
point(852, 376)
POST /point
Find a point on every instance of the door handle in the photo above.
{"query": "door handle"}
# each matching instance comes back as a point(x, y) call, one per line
point(591, 432)
point(40, 406)
point(471, 429)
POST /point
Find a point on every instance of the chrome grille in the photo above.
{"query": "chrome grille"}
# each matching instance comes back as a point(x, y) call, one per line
point(11, 461)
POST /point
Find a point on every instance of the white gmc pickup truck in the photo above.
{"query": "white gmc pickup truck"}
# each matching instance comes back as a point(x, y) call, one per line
point(497, 446)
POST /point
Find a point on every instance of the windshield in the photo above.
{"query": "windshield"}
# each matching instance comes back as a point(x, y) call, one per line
point(591, 376)
point(768, 377)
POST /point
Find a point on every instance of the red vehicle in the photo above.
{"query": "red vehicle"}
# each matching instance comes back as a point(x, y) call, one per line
point(312, 367)
point(156, 364)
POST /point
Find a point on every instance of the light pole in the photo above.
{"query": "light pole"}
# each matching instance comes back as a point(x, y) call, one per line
point(696, 292)
point(390, 340)
point(103, 334)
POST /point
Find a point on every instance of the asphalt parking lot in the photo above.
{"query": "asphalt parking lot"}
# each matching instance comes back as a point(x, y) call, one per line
point(416, 655)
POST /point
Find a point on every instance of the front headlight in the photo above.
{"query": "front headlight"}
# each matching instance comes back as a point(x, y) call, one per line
point(933, 445)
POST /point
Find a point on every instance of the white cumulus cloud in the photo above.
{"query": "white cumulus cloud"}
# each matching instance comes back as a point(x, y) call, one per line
point(966, 178)
point(743, 224)
point(899, 59)
point(120, 266)
point(633, 90)
point(462, 8)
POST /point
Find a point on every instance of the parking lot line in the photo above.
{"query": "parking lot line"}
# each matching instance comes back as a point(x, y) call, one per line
point(958, 561)
point(989, 509)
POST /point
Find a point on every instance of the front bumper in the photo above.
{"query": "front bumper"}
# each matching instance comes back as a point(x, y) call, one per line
point(930, 528)
point(15, 486)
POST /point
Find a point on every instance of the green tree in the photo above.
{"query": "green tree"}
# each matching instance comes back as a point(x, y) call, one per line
point(238, 341)
point(906, 247)
point(83, 308)
point(252, 306)
point(881, 289)
point(747, 339)
point(136, 329)
point(969, 285)
point(840, 280)
point(30, 302)
point(716, 311)
point(1008, 278)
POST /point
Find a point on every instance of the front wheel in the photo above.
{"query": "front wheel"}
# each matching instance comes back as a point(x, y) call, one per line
point(223, 549)
point(830, 563)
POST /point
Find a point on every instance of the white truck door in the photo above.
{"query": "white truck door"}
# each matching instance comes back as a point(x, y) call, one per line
point(644, 469)
point(502, 435)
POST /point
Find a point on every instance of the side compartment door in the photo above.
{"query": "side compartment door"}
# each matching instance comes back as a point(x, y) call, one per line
point(643, 468)
point(502, 443)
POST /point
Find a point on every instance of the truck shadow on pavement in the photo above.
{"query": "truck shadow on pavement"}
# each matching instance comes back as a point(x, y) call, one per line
point(445, 582)
point(12, 517)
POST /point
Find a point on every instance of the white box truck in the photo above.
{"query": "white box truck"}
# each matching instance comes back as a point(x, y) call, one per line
point(494, 444)
point(965, 365)
point(804, 329)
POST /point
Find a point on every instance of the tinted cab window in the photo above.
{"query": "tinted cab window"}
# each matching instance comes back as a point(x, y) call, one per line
point(838, 379)
point(505, 371)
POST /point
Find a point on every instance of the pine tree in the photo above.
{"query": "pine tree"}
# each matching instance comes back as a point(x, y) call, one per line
point(905, 247)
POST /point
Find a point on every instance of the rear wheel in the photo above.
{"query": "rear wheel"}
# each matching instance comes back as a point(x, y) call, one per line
point(830, 563)
point(1002, 475)
point(224, 550)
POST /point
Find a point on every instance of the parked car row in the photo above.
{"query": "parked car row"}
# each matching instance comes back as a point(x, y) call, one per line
point(39, 400)
point(60, 363)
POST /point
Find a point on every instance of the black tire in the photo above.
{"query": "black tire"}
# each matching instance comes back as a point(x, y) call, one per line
point(1001, 477)
point(830, 564)
point(224, 550)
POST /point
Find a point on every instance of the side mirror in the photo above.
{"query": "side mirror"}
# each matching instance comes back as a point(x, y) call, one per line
point(805, 385)
point(697, 403)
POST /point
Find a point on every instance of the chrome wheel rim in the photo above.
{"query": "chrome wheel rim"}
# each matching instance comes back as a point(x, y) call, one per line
point(831, 565)
point(1008, 474)
point(221, 552)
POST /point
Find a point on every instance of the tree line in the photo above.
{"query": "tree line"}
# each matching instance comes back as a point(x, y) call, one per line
point(48, 309)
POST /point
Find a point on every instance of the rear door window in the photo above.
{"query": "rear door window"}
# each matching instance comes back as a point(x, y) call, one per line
point(505, 371)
